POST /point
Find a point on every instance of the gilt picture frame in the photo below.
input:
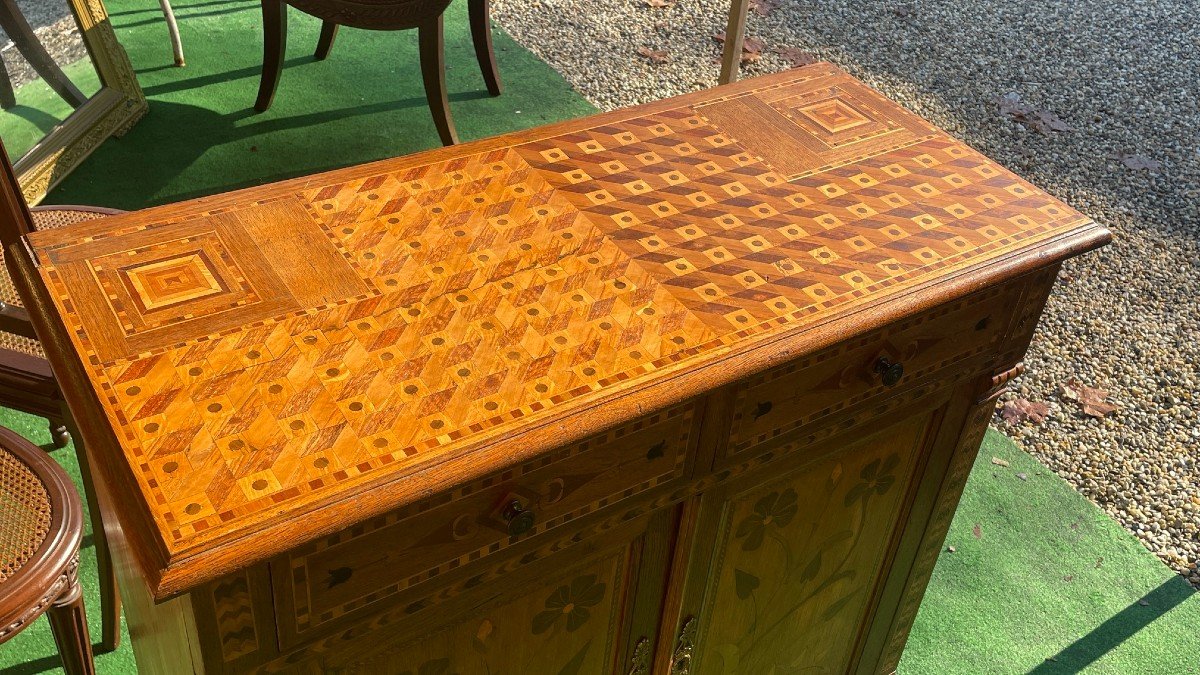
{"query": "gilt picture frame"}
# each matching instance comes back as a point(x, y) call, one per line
point(112, 111)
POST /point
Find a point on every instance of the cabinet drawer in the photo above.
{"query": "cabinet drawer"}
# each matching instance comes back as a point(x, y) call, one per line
point(383, 557)
point(780, 400)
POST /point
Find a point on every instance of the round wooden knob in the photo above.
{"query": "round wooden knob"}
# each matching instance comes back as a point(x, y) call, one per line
point(520, 519)
point(890, 372)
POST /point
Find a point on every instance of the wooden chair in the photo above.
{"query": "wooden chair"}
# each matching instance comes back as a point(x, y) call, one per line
point(424, 15)
point(41, 528)
point(26, 381)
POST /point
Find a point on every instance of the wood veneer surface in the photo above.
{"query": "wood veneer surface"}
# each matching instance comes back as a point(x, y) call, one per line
point(285, 359)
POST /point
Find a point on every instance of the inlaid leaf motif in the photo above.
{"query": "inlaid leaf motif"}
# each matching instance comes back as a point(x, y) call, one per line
point(572, 601)
point(762, 409)
point(773, 510)
point(834, 477)
point(838, 605)
point(575, 665)
point(877, 478)
point(479, 642)
point(812, 568)
point(338, 576)
point(744, 583)
point(656, 450)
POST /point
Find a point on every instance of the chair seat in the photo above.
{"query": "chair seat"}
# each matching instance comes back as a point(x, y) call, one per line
point(41, 528)
point(44, 218)
point(26, 509)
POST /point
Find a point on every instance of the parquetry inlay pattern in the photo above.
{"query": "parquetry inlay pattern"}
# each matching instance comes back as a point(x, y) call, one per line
point(474, 292)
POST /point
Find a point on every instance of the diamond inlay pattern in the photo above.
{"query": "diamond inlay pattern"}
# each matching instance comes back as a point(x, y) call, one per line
point(468, 294)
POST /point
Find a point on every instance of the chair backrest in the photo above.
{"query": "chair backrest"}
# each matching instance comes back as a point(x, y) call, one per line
point(15, 219)
point(15, 223)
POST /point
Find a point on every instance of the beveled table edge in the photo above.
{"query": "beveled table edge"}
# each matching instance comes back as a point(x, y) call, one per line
point(586, 416)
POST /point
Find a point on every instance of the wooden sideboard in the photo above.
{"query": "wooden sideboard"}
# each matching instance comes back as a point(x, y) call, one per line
point(692, 387)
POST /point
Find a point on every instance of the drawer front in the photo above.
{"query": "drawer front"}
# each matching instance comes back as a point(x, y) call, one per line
point(786, 398)
point(380, 558)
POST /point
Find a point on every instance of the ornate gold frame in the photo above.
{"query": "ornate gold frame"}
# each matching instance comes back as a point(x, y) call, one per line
point(110, 112)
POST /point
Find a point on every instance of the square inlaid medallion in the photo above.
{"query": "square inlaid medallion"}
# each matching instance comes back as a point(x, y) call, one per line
point(835, 116)
point(165, 283)
point(173, 280)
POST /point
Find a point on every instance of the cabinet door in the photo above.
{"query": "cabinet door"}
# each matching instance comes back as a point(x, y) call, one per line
point(787, 560)
point(582, 609)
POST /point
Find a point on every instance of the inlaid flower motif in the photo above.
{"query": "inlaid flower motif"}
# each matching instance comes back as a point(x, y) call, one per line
point(572, 601)
point(774, 510)
point(877, 478)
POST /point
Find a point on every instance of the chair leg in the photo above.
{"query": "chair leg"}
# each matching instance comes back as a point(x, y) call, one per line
point(110, 594)
point(433, 71)
point(328, 33)
point(274, 45)
point(173, 30)
point(481, 35)
point(8, 98)
point(68, 622)
point(59, 433)
point(13, 22)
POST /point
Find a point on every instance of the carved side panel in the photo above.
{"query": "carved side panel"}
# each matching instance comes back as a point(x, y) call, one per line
point(797, 558)
point(939, 524)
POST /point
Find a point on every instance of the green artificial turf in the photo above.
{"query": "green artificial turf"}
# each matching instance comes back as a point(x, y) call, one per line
point(364, 102)
point(1047, 585)
point(1048, 577)
point(39, 109)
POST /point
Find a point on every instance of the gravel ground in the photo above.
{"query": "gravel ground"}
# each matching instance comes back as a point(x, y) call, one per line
point(1124, 77)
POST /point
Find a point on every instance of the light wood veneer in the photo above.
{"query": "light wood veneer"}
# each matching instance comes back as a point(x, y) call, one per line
point(611, 395)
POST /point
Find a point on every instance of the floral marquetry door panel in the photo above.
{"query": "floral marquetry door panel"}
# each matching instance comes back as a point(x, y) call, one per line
point(557, 617)
point(565, 626)
point(797, 554)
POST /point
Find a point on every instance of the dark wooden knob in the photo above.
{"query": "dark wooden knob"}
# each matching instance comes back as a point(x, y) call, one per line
point(519, 519)
point(890, 372)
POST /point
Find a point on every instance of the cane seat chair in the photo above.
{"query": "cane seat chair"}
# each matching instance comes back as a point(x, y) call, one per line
point(27, 383)
point(41, 528)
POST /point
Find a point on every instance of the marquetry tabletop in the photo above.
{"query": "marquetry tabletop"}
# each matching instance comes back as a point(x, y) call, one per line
point(283, 358)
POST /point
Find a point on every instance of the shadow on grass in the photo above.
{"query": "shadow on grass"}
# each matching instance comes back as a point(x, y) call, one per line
point(159, 131)
point(1117, 629)
point(41, 119)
